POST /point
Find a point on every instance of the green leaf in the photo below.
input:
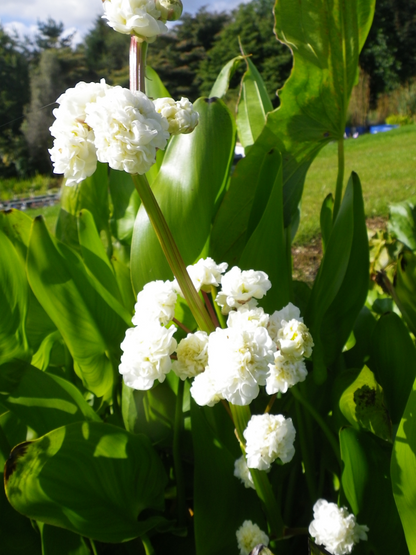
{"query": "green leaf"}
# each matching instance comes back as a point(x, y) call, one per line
point(363, 329)
point(122, 273)
point(402, 222)
point(93, 479)
point(393, 361)
point(41, 400)
point(366, 484)
point(266, 248)
point(253, 106)
point(326, 219)
point(216, 450)
point(362, 404)
point(405, 288)
point(340, 288)
point(241, 209)
point(193, 173)
point(91, 329)
point(92, 194)
point(150, 412)
point(17, 225)
point(325, 38)
point(220, 87)
point(57, 541)
point(126, 202)
point(14, 296)
point(154, 86)
point(403, 464)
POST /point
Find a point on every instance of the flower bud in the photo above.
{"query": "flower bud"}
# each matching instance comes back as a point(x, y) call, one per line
point(171, 10)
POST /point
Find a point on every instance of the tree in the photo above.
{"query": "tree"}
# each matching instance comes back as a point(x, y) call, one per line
point(14, 94)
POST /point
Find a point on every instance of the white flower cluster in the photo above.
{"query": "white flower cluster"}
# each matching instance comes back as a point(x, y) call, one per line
point(181, 115)
point(335, 529)
point(111, 125)
point(242, 472)
point(248, 536)
point(254, 350)
point(134, 17)
point(269, 437)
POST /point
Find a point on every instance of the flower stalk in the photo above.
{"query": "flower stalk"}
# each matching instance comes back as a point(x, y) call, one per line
point(137, 64)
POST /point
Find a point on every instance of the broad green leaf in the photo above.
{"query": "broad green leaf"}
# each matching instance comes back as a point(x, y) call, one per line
point(266, 248)
point(123, 277)
point(18, 537)
point(393, 361)
point(154, 86)
point(216, 450)
point(241, 209)
point(92, 193)
point(17, 225)
point(41, 400)
point(41, 358)
point(193, 173)
point(253, 106)
point(402, 222)
point(99, 266)
point(220, 87)
point(363, 329)
point(150, 412)
point(405, 288)
point(326, 38)
point(126, 202)
point(362, 404)
point(326, 219)
point(58, 541)
point(91, 329)
point(340, 288)
point(366, 484)
point(93, 479)
point(14, 297)
point(403, 464)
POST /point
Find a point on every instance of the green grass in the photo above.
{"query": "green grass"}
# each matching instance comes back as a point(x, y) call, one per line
point(13, 187)
point(385, 163)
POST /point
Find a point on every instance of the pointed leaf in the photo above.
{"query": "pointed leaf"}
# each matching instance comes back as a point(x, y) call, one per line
point(326, 219)
point(366, 484)
point(220, 87)
point(193, 173)
point(253, 106)
point(393, 361)
point(93, 479)
point(154, 86)
point(402, 222)
point(41, 400)
point(403, 464)
point(405, 288)
point(91, 329)
point(126, 202)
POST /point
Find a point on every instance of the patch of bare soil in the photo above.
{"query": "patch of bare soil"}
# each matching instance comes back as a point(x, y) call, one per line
point(307, 258)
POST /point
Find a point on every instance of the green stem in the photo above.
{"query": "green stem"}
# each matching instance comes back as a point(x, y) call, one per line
point(172, 254)
point(94, 549)
point(320, 421)
point(309, 473)
point(241, 416)
point(148, 547)
point(340, 179)
point(177, 461)
point(137, 63)
point(218, 312)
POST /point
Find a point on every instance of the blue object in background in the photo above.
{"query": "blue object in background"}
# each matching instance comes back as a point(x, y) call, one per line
point(381, 128)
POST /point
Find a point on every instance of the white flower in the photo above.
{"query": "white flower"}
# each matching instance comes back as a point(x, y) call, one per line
point(204, 391)
point(204, 274)
point(146, 355)
point(134, 17)
point(334, 528)
point(181, 115)
point(289, 312)
point(242, 472)
point(192, 353)
point(248, 536)
point(294, 339)
point(238, 361)
point(155, 302)
point(127, 129)
point(238, 287)
point(284, 373)
point(247, 318)
point(268, 437)
point(73, 152)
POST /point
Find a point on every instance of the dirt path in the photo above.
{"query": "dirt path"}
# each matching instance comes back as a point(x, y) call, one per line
point(306, 258)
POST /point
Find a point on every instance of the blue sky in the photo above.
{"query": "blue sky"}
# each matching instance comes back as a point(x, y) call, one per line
point(78, 15)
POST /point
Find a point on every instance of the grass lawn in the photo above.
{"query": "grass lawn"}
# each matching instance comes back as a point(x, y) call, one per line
point(385, 163)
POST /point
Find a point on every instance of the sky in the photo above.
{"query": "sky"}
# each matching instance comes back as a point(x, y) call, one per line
point(76, 15)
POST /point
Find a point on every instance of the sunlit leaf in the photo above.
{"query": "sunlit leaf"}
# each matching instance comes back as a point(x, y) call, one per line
point(220, 87)
point(405, 288)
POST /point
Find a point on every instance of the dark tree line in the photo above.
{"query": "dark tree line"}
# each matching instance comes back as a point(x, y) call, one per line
point(188, 59)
